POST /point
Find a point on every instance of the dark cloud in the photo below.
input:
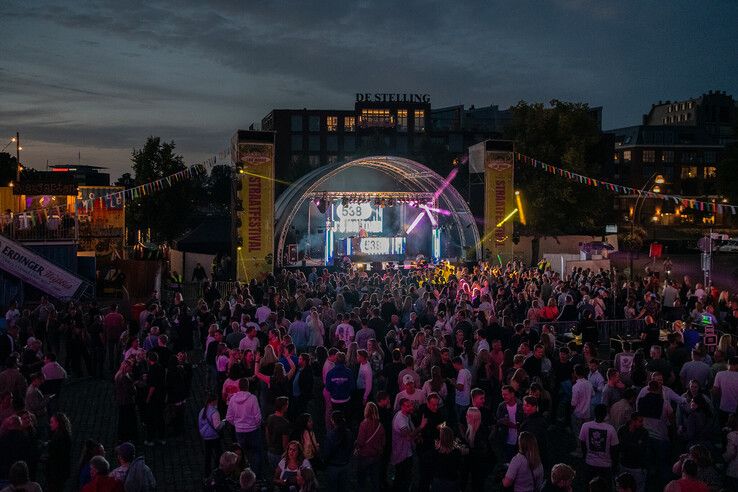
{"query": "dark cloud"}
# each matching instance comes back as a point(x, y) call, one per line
point(107, 74)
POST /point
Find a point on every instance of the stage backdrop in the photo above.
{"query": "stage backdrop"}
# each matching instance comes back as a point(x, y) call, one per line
point(254, 259)
point(499, 199)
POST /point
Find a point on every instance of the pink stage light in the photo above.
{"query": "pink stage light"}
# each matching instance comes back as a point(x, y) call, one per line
point(430, 216)
point(415, 222)
point(437, 210)
point(445, 183)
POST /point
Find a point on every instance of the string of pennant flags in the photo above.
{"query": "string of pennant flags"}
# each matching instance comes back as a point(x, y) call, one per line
point(116, 199)
point(627, 190)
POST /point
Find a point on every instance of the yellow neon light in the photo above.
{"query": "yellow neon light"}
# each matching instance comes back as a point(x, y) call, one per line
point(519, 203)
point(243, 171)
point(508, 217)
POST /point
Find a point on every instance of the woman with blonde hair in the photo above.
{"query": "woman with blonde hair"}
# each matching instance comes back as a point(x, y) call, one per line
point(725, 345)
point(480, 459)
point(447, 461)
point(525, 472)
point(369, 447)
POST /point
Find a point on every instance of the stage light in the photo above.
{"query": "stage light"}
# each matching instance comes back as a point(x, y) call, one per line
point(415, 222)
point(519, 203)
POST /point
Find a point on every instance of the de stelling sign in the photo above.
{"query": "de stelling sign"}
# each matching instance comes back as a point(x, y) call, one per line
point(391, 97)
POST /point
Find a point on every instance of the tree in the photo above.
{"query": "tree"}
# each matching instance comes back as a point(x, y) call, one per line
point(566, 135)
point(8, 166)
point(219, 187)
point(168, 212)
point(727, 177)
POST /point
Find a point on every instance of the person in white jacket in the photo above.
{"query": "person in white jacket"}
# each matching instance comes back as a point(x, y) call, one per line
point(245, 416)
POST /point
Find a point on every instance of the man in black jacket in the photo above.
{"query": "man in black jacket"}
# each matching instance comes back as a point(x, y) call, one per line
point(535, 423)
point(302, 387)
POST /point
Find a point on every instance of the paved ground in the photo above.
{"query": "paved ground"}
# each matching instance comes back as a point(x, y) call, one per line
point(177, 466)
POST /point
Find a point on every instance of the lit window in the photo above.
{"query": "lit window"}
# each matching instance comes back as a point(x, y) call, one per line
point(649, 156)
point(376, 117)
point(419, 120)
point(616, 157)
point(627, 155)
point(349, 123)
point(689, 172)
point(331, 123)
point(402, 120)
point(709, 171)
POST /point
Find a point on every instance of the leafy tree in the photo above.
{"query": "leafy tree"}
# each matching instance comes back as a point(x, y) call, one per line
point(168, 212)
point(727, 177)
point(565, 135)
point(219, 187)
point(8, 166)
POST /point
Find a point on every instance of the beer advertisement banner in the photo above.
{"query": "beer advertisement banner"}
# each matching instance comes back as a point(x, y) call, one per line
point(254, 259)
point(499, 202)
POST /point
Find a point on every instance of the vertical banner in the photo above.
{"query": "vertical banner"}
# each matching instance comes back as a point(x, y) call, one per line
point(499, 202)
point(254, 258)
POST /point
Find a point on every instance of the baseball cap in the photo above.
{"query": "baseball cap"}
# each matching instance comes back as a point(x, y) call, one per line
point(127, 451)
point(408, 378)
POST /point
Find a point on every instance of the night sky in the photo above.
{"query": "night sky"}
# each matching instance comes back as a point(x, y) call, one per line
point(99, 77)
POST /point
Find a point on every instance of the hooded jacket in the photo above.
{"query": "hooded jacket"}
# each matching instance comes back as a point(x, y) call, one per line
point(244, 412)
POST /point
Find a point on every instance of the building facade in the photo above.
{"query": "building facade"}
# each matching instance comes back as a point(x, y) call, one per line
point(403, 125)
point(675, 150)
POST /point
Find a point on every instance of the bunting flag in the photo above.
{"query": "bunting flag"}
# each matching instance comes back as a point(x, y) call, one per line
point(627, 190)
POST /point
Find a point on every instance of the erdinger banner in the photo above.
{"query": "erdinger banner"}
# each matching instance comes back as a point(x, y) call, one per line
point(499, 202)
point(255, 258)
point(38, 271)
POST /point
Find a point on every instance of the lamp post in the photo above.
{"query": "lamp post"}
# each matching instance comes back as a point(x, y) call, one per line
point(657, 180)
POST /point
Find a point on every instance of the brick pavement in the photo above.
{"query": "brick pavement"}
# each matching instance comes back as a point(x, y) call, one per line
point(177, 465)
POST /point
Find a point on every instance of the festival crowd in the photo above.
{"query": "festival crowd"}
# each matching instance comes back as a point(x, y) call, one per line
point(477, 377)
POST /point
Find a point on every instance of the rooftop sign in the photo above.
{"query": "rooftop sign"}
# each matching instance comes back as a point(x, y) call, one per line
point(391, 97)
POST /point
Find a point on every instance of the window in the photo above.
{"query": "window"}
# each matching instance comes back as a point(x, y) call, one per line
point(331, 143)
point(331, 123)
point(689, 172)
point(709, 172)
point(314, 143)
point(332, 159)
point(627, 155)
point(402, 120)
point(419, 120)
point(690, 157)
point(349, 144)
point(314, 123)
point(649, 156)
point(296, 142)
point(376, 117)
point(349, 123)
point(296, 159)
point(616, 157)
point(296, 123)
point(710, 157)
point(314, 161)
point(667, 156)
point(647, 170)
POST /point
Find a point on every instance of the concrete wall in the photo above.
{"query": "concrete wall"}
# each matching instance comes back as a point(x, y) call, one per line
point(558, 245)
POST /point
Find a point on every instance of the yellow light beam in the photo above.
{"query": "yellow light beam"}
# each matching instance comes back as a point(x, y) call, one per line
point(281, 181)
point(486, 236)
point(519, 203)
point(508, 217)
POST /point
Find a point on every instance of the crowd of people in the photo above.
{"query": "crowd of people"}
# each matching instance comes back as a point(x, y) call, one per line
point(444, 378)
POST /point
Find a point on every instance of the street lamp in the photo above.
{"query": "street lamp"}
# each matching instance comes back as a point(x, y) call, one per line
point(656, 179)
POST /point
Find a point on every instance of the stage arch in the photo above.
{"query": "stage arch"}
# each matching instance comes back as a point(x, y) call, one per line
point(405, 175)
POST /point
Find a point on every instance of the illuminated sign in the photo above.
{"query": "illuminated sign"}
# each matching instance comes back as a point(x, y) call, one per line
point(353, 218)
point(387, 97)
point(382, 246)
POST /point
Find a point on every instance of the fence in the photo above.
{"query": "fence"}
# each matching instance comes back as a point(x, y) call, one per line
point(52, 228)
point(192, 291)
point(608, 331)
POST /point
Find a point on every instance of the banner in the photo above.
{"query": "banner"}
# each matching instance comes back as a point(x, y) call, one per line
point(254, 258)
point(499, 201)
point(38, 271)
